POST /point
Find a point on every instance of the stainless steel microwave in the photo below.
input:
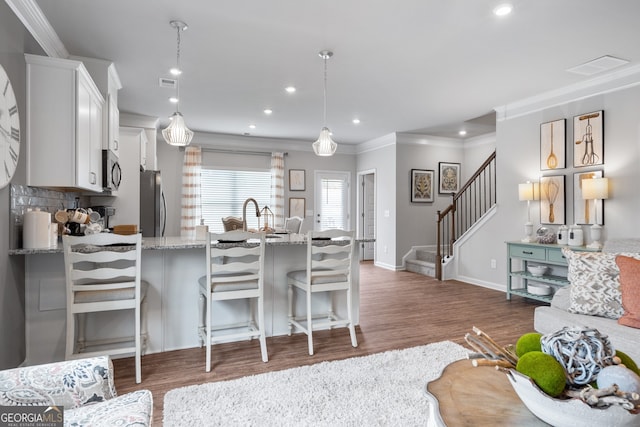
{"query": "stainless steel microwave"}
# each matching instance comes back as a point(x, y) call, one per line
point(111, 172)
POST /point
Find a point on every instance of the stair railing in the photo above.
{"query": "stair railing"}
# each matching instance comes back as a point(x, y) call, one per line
point(468, 205)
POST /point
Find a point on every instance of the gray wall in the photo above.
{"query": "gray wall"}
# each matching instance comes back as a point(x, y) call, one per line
point(170, 163)
point(382, 161)
point(15, 40)
point(518, 160)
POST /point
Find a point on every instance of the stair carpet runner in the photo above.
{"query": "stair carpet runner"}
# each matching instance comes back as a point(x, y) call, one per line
point(425, 263)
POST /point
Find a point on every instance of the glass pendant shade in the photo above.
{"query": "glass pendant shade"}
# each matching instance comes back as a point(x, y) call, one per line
point(325, 146)
point(177, 133)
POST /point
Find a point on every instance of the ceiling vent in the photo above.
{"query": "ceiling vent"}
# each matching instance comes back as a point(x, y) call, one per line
point(604, 63)
point(168, 83)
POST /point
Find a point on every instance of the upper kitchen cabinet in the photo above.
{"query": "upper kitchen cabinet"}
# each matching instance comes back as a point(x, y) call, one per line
point(105, 76)
point(64, 125)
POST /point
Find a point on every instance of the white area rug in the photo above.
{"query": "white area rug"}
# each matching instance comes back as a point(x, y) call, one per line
point(385, 389)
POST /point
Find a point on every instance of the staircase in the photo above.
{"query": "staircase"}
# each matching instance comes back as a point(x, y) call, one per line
point(424, 262)
point(475, 198)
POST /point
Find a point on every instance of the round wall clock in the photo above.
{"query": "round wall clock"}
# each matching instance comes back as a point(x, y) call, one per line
point(9, 130)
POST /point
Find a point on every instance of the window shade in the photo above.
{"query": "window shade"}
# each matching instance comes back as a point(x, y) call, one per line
point(224, 192)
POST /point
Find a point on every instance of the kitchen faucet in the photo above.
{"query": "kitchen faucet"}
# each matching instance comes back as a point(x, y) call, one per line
point(244, 211)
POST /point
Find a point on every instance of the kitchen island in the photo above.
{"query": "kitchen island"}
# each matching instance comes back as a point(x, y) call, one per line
point(172, 266)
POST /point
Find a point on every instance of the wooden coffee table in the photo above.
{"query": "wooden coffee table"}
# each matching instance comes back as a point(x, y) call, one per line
point(465, 395)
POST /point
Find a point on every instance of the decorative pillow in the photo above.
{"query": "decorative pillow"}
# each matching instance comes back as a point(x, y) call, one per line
point(630, 287)
point(595, 287)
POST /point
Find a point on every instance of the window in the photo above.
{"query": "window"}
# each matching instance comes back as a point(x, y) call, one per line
point(224, 192)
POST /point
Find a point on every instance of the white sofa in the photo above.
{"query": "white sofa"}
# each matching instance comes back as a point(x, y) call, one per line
point(85, 389)
point(549, 319)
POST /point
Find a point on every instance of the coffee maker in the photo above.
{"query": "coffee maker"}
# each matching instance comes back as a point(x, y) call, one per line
point(105, 213)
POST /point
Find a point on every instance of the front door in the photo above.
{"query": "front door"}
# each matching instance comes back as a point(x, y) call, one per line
point(331, 200)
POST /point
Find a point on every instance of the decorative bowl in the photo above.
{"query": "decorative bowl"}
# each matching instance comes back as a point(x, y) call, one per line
point(567, 412)
point(537, 270)
point(539, 288)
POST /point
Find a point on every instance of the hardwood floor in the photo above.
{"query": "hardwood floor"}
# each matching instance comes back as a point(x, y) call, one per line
point(397, 310)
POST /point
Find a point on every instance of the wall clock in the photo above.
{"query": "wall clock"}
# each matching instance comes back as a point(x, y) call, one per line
point(9, 130)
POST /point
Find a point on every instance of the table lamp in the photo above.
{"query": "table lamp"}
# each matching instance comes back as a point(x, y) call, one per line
point(595, 189)
point(528, 191)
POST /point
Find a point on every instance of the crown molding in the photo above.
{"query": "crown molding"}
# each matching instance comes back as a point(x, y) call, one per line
point(434, 141)
point(377, 143)
point(230, 141)
point(486, 139)
point(611, 82)
point(38, 25)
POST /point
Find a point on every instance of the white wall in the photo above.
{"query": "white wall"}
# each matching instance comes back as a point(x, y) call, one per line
point(517, 149)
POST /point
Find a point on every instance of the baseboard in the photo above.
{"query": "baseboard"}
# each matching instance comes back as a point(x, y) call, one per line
point(388, 266)
point(484, 284)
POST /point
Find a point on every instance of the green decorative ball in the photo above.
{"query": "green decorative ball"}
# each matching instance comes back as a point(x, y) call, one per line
point(528, 342)
point(544, 370)
point(628, 362)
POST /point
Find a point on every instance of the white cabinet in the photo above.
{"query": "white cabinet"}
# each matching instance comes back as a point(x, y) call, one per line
point(112, 137)
point(148, 156)
point(64, 125)
point(106, 78)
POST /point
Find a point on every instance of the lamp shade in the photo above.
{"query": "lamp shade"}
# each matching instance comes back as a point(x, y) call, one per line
point(324, 146)
point(595, 189)
point(177, 133)
point(528, 191)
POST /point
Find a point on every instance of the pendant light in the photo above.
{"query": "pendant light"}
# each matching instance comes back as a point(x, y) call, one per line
point(177, 133)
point(325, 146)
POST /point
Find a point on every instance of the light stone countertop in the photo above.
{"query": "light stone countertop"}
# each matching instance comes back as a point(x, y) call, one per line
point(170, 243)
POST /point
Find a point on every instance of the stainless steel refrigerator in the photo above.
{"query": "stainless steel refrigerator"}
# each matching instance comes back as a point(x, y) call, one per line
point(153, 207)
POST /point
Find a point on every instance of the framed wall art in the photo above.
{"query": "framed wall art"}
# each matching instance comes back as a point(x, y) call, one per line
point(422, 185)
point(583, 210)
point(296, 180)
point(588, 136)
point(449, 177)
point(297, 206)
point(552, 145)
point(552, 200)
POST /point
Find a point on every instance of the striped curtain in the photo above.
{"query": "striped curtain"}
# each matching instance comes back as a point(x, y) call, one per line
point(277, 188)
point(191, 211)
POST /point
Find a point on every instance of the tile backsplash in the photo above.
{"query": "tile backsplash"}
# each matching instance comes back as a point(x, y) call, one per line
point(24, 197)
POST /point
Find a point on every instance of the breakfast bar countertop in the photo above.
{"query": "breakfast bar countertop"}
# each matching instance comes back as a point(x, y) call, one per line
point(177, 242)
point(172, 266)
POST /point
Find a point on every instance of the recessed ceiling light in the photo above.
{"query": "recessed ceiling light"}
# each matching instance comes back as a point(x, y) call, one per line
point(175, 71)
point(462, 133)
point(173, 100)
point(356, 121)
point(252, 126)
point(503, 9)
point(268, 111)
point(290, 89)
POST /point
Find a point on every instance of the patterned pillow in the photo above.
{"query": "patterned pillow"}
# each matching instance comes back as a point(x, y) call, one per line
point(595, 287)
point(630, 287)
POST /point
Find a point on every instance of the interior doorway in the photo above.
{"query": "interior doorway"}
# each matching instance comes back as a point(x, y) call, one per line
point(366, 227)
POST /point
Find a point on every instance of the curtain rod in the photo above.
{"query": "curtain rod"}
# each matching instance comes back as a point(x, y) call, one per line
point(228, 151)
